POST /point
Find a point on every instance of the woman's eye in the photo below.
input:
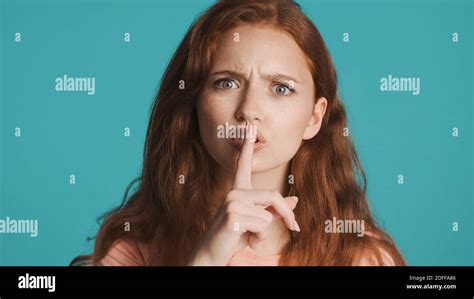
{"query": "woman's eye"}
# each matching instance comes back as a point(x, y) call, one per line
point(225, 84)
point(282, 89)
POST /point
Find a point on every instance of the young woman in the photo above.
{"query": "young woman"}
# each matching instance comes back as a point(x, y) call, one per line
point(261, 195)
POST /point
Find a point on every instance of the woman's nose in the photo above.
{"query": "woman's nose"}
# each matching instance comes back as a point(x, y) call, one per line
point(251, 106)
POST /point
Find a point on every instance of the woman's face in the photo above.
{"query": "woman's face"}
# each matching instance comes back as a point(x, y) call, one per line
point(260, 75)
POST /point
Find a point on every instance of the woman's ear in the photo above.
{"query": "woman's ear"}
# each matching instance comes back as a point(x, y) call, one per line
point(316, 119)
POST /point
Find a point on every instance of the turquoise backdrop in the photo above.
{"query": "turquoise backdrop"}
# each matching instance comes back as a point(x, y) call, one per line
point(73, 133)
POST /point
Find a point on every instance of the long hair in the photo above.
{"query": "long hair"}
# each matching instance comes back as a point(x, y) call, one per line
point(170, 217)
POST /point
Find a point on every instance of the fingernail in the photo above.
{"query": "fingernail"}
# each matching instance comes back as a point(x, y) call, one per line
point(296, 198)
point(297, 227)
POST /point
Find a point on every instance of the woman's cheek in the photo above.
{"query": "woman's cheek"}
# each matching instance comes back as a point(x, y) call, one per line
point(292, 135)
point(289, 147)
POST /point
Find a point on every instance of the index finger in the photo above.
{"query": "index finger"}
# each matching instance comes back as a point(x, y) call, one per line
point(243, 174)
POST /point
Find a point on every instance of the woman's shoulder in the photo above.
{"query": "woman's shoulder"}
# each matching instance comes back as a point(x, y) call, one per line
point(369, 258)
point(125, 252)
point(376, 256)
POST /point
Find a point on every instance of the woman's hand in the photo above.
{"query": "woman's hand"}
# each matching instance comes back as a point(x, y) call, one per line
point(243, 218)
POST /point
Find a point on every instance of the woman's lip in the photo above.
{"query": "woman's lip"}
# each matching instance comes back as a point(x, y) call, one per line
point(261, 138)
point(239, 142)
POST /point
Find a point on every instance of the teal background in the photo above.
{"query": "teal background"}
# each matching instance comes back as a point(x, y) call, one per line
point(73, 133)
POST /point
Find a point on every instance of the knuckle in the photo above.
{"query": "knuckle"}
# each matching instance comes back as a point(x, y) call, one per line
point(231, 207)
point(231, 218)
point(232, 223)
point(288, 213)
point(285, 213)
point(268, 216)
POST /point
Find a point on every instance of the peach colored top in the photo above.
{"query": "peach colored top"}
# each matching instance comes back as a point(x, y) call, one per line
point(130, 253)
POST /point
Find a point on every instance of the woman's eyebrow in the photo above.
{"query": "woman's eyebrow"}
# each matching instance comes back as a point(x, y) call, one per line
point(279, 77)
point(268, 77)
point(228, 72)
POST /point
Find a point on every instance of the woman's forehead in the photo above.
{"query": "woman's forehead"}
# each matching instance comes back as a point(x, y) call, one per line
point(269, 50)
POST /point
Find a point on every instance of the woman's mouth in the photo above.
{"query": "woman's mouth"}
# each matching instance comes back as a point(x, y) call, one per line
point(237, 143)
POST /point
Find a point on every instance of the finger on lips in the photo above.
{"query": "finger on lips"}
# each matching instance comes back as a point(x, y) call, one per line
point(243, 182)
